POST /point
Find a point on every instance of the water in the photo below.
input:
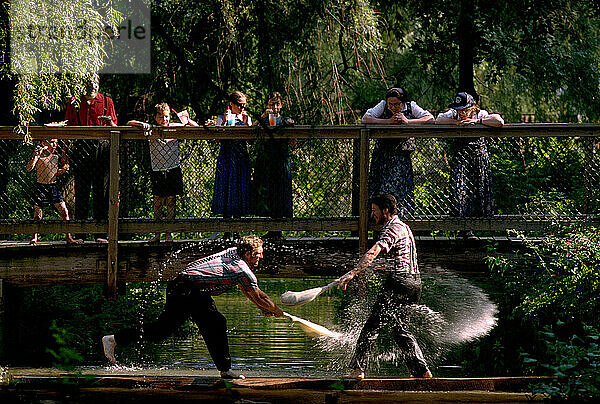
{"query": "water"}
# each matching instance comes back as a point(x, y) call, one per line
point(453, 311)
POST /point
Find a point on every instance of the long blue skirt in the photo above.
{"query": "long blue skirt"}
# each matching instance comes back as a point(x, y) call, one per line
point(231, 196)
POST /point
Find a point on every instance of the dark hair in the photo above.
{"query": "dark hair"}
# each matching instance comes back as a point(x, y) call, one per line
point(386, 201)
point(397, 92)
point(248, 243)
point(236, 97)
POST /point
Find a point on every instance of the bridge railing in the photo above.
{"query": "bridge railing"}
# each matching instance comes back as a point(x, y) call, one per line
point(541, 174)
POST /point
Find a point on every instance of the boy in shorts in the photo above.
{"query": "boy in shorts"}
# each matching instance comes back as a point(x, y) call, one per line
point(47, 163)
point(167, 180)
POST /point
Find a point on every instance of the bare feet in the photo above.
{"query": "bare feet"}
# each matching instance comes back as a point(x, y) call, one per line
point(71, 240)
point(356, 374)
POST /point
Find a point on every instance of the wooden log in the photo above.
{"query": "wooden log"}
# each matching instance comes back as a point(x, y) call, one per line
point(317, 132)
point(55, 263)
point(314, 224)
point(90, 388)
point(363, 224)
point(113, 217)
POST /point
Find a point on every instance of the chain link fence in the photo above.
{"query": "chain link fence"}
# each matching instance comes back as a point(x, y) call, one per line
point(530, 178)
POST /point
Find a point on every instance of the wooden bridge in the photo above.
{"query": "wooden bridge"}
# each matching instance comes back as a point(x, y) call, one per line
point(21, 264)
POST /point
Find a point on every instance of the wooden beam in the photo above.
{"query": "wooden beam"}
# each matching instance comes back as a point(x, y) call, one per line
point(316, 132)
point(363, 206)
point(314, 224)
point(56, 263)
point(113, 217)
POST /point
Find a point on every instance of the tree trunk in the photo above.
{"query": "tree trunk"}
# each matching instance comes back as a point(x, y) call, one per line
point(466, 44)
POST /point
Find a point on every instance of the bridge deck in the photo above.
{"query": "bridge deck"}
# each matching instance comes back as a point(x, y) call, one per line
point(51, 263)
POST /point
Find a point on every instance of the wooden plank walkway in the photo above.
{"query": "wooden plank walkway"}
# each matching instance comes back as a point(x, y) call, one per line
point(114, 388)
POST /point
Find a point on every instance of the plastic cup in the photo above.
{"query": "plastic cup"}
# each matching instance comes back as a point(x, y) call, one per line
point(273, 119)
point(230, 120)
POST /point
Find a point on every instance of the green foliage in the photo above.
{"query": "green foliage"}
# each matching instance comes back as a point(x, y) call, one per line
point(81, 315)
point(64, 356)
point(557, 277)
point(547, 175)
point(573, 361)
point(331, 57)
point(338, 385)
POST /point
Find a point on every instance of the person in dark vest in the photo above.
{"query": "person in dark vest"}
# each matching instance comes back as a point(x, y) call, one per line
point(391, 166)
point(90, 159)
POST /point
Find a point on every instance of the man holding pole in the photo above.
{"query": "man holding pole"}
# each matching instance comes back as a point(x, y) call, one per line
point(401, 288)
point(189, 294)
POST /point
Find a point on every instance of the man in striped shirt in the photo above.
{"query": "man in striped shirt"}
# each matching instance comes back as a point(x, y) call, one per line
point(189, 294)
point(402, 287)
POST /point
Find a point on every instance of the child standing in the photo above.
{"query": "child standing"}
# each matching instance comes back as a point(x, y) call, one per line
point(167, 179)
point(46, 163)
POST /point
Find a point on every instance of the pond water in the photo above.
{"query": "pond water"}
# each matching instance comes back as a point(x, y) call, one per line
point(453, 311)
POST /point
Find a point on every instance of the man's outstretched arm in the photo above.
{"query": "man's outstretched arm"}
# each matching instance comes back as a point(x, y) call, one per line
point(263, 302)
point(364, 262)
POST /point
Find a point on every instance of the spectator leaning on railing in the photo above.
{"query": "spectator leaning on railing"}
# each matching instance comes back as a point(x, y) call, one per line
point(470, 173)
point(272, 192)
point(231, 195)
point(167, 179)
point(391, 166)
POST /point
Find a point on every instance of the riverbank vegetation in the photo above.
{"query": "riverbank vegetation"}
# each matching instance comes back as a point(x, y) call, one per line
point(549, 296)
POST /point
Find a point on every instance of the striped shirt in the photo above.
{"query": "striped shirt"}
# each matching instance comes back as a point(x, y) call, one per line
point(397, 237)
point(222, 271)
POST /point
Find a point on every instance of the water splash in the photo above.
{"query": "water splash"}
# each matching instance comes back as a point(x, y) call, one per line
point(453, 311)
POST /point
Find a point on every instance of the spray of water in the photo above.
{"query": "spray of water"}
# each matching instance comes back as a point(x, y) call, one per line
point(452, 311)
point(153, 288)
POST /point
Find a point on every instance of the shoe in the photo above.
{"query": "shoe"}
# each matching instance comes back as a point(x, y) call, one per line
point(109, 343)
point(101, 240)
point(356, 374)
point(230, 374)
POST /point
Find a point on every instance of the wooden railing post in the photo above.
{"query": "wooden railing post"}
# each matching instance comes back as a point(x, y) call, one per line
point(113, 216)
point(363, 204)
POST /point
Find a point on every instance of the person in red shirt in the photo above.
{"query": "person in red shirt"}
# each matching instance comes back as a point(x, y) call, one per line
point(90, 159)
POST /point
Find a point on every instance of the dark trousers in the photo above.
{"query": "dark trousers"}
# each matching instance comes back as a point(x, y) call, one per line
point(91, 163)
point(184, 299)
point(393, 306)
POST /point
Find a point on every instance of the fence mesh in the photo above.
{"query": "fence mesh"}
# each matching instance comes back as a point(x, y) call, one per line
point(531, 178)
